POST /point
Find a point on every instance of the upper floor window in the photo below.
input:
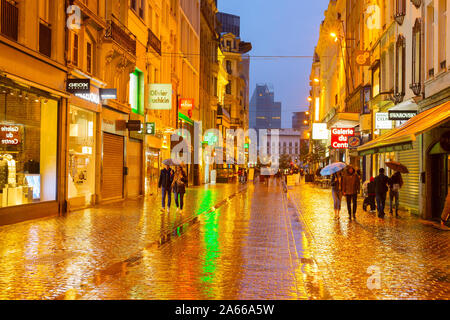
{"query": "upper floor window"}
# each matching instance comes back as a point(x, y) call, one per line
point(89, 57)
point(400, 69)
point(400, 11)
point(138, 7)
point(416, 57)
point(9, 19)
point(229, 69)
point(75, 46)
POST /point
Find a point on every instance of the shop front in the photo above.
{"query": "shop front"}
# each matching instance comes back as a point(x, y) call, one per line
point(82, 149)
point(425, 184)
point(113, 169)
point(29, 161)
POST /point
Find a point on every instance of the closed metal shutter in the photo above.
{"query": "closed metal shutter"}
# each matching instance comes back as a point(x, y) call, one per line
point(113, 163)
point(134, 152)
point(409, 194)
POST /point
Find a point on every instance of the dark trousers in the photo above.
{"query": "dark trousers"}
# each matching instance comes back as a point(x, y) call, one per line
point(179, 200)
point(369, 201)
point(351, 198)
point(166, 192)
point(394, 200)
point(381, 203)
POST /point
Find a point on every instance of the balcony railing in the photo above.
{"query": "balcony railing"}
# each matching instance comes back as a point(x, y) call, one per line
point(45, 39)
point(120, 34)
point(9, 19)
point(154, 42)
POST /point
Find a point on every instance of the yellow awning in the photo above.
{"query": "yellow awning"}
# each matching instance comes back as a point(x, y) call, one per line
point(408, 132)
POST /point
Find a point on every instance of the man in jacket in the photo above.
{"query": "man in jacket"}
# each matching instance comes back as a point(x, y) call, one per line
point(381, 189)
point(350, 189)
point(395, 183)
point(165, 183)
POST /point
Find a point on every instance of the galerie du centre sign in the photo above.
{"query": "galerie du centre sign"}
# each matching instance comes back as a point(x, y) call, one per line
point(340, 137)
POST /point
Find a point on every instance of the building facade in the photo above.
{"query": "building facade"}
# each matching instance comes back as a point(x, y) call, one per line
point(386, 77)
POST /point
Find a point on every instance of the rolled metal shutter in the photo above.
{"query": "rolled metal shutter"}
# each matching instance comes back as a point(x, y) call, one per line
point(134, 184)
point(409, 194)
point(113, 164)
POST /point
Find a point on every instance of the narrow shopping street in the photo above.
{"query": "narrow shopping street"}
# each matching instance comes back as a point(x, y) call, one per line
point(232, 242)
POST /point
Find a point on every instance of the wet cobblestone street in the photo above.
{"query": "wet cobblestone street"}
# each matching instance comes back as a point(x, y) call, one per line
point(232, 242)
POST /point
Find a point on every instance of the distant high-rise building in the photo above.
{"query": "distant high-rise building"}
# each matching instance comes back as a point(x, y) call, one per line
point(265, 113)
point(298, 120)
point(230, 23)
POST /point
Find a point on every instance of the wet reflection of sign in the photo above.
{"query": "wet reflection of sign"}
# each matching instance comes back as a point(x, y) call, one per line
point(10, 135)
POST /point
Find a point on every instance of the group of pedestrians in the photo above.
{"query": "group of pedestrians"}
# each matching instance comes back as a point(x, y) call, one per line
point(173, 181)
point(243, 175)
point(347, 183)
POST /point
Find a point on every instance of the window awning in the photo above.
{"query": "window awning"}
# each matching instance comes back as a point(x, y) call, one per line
point(402, 137)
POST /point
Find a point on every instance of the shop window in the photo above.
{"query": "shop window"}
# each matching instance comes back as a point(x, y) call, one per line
point(400, 69)
point(28, 146)
point(81, 182)
point(137, 92)
point(416, 57)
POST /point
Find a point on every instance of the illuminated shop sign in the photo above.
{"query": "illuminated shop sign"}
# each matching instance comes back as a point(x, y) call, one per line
point(108, 94)
point(91, 97)
point(340, 136)
point(401, 115)
point(10, 135)
point(150, 128)
point(186, 104)
point(82, 86)
point(160, 96)
point(320, 131)
point(382, 121)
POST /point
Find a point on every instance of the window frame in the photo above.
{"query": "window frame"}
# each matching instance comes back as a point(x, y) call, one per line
point(400, 84)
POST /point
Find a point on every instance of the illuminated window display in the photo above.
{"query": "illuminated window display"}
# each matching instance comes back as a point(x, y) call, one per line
point(28, 145)
point(81, 156)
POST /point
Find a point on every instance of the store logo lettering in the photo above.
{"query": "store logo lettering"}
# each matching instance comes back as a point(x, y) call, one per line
point(74, 17)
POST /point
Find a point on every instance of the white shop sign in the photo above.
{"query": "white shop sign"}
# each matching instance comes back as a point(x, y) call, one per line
point(382, 121)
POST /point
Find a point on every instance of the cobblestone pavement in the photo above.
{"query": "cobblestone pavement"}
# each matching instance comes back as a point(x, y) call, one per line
point(412, 259)
point(233, 242)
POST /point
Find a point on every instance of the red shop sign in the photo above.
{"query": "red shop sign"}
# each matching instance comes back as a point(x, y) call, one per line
point(339, 137)
point(186, 104)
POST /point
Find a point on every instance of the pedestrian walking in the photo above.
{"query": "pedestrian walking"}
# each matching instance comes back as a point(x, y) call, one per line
point(370, 195)
point(395, 184)
point(350, 189)
point(336, 192)
point(179, 187)
point(381, 189)
point(165, 183)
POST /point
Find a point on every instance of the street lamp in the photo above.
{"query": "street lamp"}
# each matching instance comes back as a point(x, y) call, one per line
point(310, 99)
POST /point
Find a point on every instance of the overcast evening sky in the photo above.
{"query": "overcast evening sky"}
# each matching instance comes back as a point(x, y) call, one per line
point(282, 27)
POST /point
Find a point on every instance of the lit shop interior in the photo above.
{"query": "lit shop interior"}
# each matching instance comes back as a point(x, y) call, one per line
point(28, 145)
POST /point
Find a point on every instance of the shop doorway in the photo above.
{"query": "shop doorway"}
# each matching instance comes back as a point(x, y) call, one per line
point(134, 168)
point(113, 166)
point(440, 179)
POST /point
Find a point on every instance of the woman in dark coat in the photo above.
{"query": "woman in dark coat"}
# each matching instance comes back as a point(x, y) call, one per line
point(179, 187)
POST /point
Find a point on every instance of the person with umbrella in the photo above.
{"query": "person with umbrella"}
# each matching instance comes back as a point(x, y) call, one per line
point(335, 170)
point(395, 184)
point(165, 183)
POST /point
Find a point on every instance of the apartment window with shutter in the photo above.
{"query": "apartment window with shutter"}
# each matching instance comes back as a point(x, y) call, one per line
point(228, 88)
point(442, 34)
point(400, 68)
point(376, 79)
point(75, 50)
point(416, 57)
point(89, 57)
point(430, 41)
